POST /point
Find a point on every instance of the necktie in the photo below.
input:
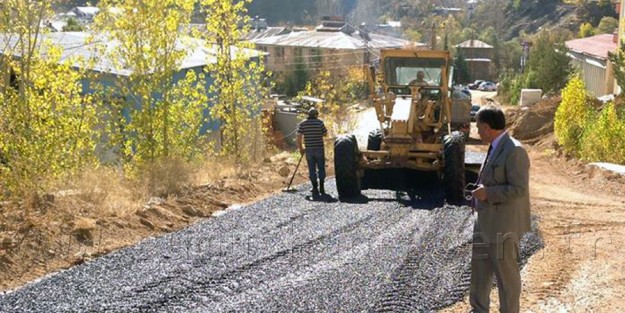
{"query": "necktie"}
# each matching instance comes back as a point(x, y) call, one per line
point(479, 176)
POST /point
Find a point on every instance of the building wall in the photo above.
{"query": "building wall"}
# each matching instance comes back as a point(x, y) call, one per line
point(478, 53)
point(283, 58)
point(480, 70)
point(593, 72)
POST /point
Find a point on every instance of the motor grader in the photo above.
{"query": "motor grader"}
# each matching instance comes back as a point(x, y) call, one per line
point(420, 135)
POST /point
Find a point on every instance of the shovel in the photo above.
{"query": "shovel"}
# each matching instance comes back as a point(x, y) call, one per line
point(289, 188)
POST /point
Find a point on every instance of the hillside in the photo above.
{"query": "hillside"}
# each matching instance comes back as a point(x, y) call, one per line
point(549, 14)
point(529, 16)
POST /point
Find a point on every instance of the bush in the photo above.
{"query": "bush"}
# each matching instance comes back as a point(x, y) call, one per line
point(571, 116)
point(603, 137)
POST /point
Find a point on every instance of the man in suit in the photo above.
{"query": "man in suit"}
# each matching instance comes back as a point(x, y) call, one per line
point(503, 214)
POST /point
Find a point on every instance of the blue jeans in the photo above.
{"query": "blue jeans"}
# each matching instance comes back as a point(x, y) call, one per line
point(316, 162)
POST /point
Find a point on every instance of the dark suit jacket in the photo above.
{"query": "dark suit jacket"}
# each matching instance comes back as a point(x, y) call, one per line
point(506, 211)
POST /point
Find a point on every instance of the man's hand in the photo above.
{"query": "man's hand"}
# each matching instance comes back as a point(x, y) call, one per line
point(479, 193)
point(302, 150)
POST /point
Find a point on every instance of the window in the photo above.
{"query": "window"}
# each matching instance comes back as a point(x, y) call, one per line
point(299, 51)
point(280, 52)
point(315, 55)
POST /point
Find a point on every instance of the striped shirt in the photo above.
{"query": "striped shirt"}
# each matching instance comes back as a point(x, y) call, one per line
point(313, 130)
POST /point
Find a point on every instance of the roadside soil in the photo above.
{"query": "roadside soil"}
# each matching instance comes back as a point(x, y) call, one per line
point(68, 230)
point(581, 219)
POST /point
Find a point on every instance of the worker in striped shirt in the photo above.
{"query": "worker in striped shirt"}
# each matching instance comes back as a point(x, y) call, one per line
point(312, 130)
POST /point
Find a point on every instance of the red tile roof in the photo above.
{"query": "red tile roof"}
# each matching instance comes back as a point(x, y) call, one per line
point(597, 46)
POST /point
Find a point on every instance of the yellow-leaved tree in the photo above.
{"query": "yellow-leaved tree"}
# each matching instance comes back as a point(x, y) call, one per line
point(602, 140)
point(46, 124)
point(337, 89)
point(238, 78)
point(571, 116)
point(155, 101)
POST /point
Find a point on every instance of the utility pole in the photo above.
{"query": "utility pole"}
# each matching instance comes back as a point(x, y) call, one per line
point(433, 40)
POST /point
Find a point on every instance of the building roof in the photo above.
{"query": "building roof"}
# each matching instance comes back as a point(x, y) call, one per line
point(79, 45)
point(478, 60)
point(332, 40)
point(474, 43)
point(255, 34)
point(86, 11)
point(597, 46)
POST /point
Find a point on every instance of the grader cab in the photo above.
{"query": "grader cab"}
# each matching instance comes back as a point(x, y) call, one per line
point(418, 137)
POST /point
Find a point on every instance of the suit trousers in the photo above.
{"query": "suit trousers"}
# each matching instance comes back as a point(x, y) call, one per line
point(498, 259)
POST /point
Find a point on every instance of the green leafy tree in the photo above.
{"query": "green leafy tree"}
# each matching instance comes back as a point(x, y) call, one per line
point(159, 117)
point(618, 60)
point(572, 115)
point(489, 36)
point(550, 64)
point(607, 25)
point(238, 77)
point(46, 124)
point(593, 11)
point(296, 78)
point(72, 26)
point(511, 53)
point(460, 62)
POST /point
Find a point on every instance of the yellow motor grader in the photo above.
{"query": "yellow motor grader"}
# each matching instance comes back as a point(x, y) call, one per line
point(420, 135)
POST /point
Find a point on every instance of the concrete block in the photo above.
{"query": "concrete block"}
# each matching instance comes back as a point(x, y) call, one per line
point(530, 97)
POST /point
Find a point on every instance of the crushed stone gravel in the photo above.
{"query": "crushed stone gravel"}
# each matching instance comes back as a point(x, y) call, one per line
point(383, 252)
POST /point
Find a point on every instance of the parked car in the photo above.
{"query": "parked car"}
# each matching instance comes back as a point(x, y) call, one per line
point(474, 109)
point(475, 84)
point(487, 86)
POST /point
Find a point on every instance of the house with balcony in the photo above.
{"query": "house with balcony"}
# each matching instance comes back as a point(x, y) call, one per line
point(333, 45)
point(479, 56)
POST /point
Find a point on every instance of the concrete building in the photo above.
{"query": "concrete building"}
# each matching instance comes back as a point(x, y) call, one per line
point(332, 45)
point(590, 55)
point(478, 55)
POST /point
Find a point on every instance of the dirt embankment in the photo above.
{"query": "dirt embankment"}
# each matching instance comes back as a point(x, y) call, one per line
point(73, 227)
point(535, 123)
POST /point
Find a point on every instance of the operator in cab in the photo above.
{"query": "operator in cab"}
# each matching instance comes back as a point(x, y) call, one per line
point(419, 81)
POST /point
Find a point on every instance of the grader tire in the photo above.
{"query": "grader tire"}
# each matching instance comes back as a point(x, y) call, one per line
point(345, 166)
point(453, 173)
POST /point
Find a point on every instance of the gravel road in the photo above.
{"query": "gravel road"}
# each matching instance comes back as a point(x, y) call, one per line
point(381, 253)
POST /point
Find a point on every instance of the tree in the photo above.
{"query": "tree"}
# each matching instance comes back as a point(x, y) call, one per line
point(161, 110)
point(46, 124)
point(489, 35)
point(325, 86)
point(602, 140)
point(618, 60)
point(593, 11)
point(464, 76)
point(72, 26)
point(329, 7)
point(607, 25)
point(238, 77)
point(586, 30)
point(296, 78)
point(571, 115)
point(549, 62)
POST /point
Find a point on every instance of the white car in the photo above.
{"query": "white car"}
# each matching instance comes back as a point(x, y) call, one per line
point(487, 86)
